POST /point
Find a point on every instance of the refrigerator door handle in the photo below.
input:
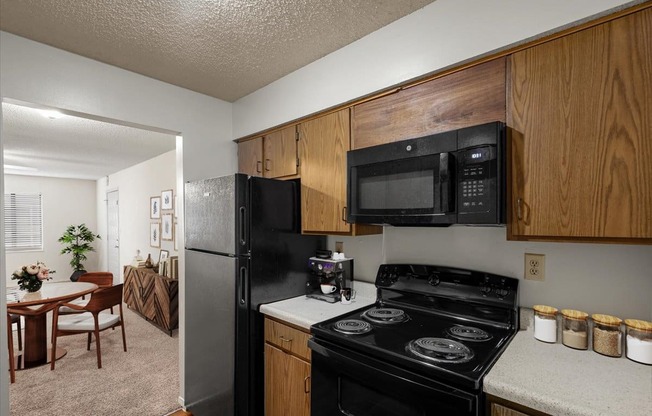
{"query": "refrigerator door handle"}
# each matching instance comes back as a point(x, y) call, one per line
point(243, 226)
point(243, 287)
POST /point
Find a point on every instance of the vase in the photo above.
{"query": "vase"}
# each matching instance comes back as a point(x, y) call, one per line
point(75, 275)
point(34, 286)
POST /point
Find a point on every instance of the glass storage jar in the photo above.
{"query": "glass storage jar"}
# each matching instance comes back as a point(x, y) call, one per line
point(575, 329)
point(545, 323)
point(607, 338)
point(639, 340)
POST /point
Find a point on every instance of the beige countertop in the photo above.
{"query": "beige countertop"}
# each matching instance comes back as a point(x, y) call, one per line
point(558, 380)
point(304, 312)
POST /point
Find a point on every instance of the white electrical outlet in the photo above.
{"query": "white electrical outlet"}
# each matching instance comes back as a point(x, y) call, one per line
point(535, 267)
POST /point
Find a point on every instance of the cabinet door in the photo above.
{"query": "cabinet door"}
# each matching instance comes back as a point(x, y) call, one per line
point(147, 302)
point(580, 112)
point(281, 153)
point(323, 143)
point(287, 384)
point(499, 410)
point(250, 157)
point(131, 290)
point(465, 98)
point(162, 302)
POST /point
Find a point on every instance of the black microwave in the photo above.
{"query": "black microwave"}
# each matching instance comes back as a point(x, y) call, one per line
point(456, 177)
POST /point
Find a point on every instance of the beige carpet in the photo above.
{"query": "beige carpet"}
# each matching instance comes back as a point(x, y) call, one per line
point(142, 381)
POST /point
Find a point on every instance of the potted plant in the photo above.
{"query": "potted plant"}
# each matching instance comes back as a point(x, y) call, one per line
point(77, 241)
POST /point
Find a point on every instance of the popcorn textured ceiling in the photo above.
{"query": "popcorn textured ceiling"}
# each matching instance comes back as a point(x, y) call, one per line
point(222, 48)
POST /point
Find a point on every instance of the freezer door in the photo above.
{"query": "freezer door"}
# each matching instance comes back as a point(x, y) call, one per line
point(216, 215)
point(210, 333)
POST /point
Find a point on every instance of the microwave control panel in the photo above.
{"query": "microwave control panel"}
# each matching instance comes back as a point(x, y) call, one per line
point(477, 180)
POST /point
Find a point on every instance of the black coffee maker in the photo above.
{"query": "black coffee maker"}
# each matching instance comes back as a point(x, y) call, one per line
point(327, 277)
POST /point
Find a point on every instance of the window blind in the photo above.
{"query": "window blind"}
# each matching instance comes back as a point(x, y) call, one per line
point(23, 222)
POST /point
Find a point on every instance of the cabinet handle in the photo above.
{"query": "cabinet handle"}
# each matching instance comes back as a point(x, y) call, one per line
point(282, 338)
point(259, 166)
point(519, 212)
point(267, 163)
point(344, 214)
point(306, 385)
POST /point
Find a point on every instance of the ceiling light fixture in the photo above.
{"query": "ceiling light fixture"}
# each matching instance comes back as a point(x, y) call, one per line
point(51, 114)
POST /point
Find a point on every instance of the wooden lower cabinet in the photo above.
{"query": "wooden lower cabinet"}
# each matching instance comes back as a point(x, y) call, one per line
point(500, 410)
point(153, 296)
point(287, 370)
point(497, 406)
point(287, 380)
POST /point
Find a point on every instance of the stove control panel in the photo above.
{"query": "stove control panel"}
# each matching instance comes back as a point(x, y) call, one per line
point(448, 282)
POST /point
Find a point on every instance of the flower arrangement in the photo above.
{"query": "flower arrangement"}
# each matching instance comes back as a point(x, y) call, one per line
point(31, 277)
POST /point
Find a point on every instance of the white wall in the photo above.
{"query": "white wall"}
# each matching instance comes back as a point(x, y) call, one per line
point(440, 35)
point(135, 185)
point(37, 73)
point(606, 278)
point(65, 202)
point(596, 278)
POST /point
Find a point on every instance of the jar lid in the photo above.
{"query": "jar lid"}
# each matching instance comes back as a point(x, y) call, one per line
point(546, 310)
point(573, 314)
point(639, 324)
point(606, 319)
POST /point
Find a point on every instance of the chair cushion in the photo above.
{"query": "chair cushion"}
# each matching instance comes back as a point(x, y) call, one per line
point(79, 302)
point(84, 321)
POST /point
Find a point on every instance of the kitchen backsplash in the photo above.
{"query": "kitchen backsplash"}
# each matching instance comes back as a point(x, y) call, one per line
point(597, 278)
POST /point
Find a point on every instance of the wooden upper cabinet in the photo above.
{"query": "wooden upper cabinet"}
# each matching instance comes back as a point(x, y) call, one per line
point(280, 153)
point(472, 96)
point(323, 143)
point(580, 118)
point(250, 157)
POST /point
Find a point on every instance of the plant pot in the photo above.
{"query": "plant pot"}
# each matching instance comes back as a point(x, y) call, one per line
point(75, 275)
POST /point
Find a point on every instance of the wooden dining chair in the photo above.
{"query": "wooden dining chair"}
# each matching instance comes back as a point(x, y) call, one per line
point(101, 279)
point(15, 319)
point(10, 344)
point(90, 321)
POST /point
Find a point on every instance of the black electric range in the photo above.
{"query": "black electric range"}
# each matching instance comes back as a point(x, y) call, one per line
point(422, 349)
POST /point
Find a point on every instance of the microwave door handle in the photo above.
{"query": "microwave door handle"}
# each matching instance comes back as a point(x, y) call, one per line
point(445, 183)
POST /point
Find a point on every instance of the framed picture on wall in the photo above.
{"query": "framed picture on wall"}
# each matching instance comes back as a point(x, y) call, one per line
point(166, 199)
point(155, 234)
point(167, 232)
point(155, 207)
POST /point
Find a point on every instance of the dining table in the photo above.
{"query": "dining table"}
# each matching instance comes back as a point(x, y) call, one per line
point(33, 307)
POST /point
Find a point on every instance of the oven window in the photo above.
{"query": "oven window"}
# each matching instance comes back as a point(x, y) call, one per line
point(400, 185)
point(358, 400)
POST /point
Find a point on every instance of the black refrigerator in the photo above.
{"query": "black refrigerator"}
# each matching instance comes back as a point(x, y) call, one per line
point(243, 248)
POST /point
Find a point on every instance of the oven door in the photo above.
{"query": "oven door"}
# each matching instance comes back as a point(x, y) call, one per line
point(345, 382)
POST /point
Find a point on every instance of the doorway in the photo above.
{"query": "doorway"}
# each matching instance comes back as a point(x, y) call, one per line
point(113, 235)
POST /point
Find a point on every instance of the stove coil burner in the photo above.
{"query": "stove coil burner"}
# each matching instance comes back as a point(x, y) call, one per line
point(440, 350)
point(352, 327)
point(468, 333)
point(385, 315)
